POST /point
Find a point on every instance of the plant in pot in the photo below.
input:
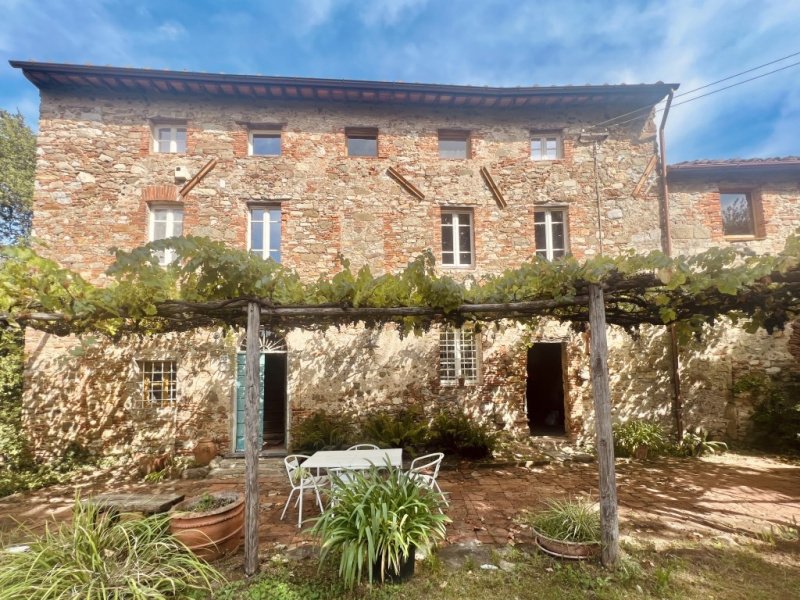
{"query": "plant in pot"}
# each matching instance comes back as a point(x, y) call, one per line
point(639, 439)
point(209, 525)
point(376, 521)
point(567, 528)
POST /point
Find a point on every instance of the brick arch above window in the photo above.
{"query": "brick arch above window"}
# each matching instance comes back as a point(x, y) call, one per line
point(161, 193)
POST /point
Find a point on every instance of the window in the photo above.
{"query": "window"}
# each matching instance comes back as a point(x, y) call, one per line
point(458, 357)
point(362, 141)
point(265, 232)
point(265, 143)
point(457, 238)
point(738, 217)
point(165, 222)
point(169, 139)
point(551, 233)
point(453, 144)
point(545, 146)
point(159, 383)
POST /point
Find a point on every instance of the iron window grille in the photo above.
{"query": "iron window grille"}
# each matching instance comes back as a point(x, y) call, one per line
point(159, 383)
point(458, 357)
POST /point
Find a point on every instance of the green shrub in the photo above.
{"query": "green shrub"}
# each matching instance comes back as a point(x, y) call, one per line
point(407, 429)
point(696, 443)
point(376, 519)
point(97, 557)
point(776, 417)
point(568, 521)
point(457, 433)
point(629, 436)
point(322, 431)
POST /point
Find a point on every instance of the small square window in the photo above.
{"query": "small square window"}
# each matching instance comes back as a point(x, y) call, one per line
point(737, 213)
point(169, 139)
point(159, 383)
point(362, 141)
point(265, 143)
point(458, 357)
point(546, 146)
point(453, 144)
point(457, 238)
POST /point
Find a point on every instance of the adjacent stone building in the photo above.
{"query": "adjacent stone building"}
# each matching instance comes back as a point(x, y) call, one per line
point(308, 171)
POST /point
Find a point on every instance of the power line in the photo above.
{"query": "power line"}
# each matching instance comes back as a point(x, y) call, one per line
point(702, 87)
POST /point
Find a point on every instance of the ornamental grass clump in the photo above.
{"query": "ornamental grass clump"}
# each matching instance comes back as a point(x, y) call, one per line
point(376, 520)
point(633, 435)
point(576, 521)
point(98, 556)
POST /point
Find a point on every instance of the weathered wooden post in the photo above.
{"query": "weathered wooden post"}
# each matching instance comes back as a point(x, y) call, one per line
point(251, 449)
point(609, 520)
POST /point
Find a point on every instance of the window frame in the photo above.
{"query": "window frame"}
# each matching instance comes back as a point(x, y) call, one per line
point(265, 131)
point(174, 127)
point(456, 243)
point(542, 136)
point(361, 133)
point(753, 204)
point(169, 255)
point(265, 231)
point(455, 135)
point(459, 337)
point(548, 223)
point(170, 394)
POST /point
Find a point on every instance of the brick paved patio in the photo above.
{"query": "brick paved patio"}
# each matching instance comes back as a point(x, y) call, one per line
point(663, 499)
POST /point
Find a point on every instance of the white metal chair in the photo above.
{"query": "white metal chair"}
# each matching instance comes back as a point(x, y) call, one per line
point(364, 447)
point(301, 481)
point(425, 469)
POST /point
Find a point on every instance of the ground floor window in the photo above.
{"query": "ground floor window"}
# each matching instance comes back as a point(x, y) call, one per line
point(159, 382)
point(458, 357)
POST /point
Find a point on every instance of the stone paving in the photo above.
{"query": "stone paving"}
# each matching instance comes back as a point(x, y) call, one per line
point(670, 498)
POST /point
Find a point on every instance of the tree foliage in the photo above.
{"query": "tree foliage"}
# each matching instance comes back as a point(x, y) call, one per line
point(210, 284)
point(17, 166)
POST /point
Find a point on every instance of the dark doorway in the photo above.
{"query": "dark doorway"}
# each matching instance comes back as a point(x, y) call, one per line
point(545, 390)
point(275, 400)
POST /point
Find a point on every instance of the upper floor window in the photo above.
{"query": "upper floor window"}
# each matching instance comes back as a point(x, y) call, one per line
point(738, 214)
point(551, 233)
point(453, 144)
point(265, 232)
point(458, 357)
point(266, 142)
point(457, 238)
point(169, 138)
point(165, 222)
point(546, 146)
point(159, 383)
point(362, 141)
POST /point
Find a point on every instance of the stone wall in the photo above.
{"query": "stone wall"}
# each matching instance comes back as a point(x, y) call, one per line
point(96, 178)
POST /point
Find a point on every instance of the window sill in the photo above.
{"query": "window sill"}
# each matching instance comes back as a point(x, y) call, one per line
point(743, 238)
point(457, 267)
point(264, 155)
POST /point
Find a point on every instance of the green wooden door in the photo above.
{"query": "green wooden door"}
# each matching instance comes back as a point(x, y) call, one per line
point(241, 359)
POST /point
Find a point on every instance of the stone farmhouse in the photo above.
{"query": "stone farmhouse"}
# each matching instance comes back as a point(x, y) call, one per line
point(310, 170)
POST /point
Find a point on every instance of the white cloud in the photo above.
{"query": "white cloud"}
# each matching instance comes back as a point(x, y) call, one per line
point(170, 30)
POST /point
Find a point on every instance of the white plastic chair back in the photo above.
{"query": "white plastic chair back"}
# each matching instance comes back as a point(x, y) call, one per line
point(364, 447)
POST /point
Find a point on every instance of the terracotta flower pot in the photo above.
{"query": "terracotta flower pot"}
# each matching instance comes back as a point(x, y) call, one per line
point(212, 533)
point(641, 452)
point(562, 549)
point(204, 451)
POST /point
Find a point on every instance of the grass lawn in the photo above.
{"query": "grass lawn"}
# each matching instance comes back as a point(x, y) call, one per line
point(745, 570)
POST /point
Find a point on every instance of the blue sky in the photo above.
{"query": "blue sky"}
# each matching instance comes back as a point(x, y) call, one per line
point(480, 42)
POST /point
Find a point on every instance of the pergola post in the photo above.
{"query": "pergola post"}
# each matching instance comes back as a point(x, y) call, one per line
point(609, 520)
point(251, 449)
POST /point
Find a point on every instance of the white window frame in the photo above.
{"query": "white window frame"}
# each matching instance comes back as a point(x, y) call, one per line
point(170, 393)
point(540, 138)
point(265, 230)
point(271, 132)
point(173, 138)
point(548, 229)
point(168, 256)
point(456, 367)
point(458, 213)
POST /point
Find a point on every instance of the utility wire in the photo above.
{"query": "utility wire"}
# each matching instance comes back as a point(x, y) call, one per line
point(702, 87)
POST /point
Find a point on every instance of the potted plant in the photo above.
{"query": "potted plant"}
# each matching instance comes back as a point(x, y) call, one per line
point(209, 525)
point(568, 528)
point(375, 521)
point(639, 439)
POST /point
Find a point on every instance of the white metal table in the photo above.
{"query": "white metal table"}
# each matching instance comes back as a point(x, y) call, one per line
point(354, 459)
